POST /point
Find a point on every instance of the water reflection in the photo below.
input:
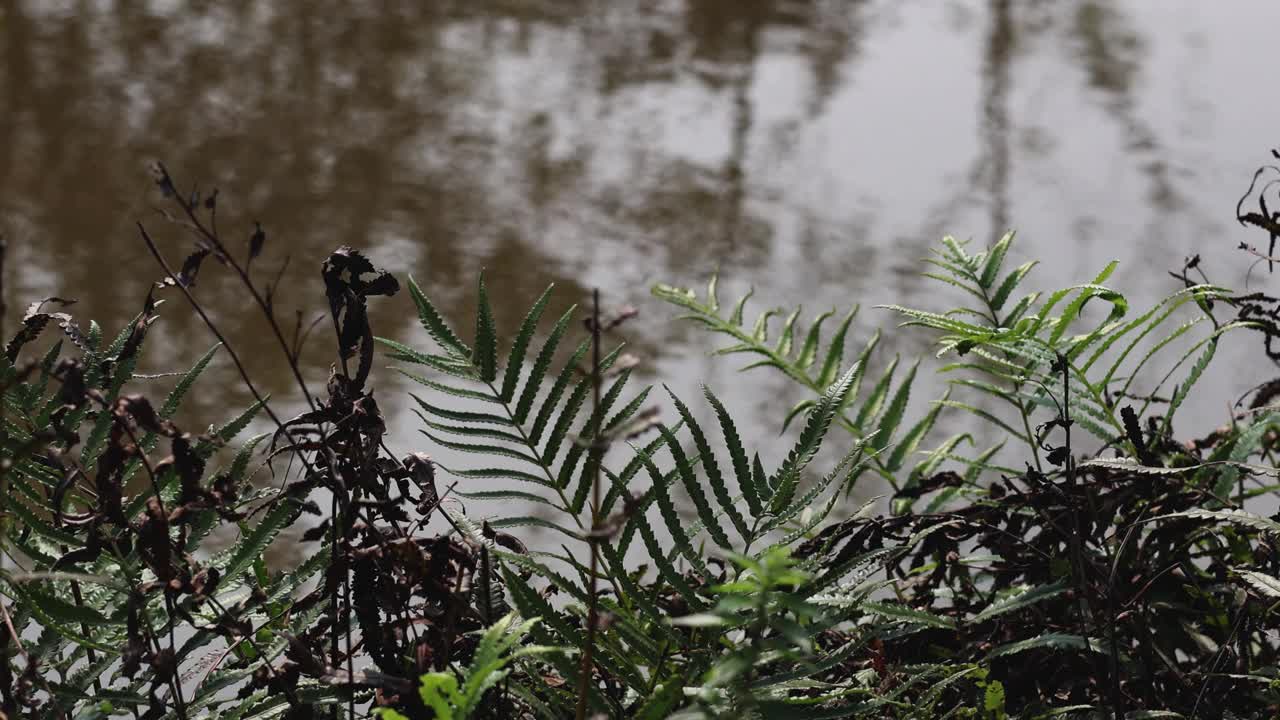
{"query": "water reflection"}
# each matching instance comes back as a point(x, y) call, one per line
point(813, 148)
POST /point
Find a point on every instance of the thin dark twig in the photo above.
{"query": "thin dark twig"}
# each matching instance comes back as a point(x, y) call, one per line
point(235, 357)
point(230, 260)
point(333, 592)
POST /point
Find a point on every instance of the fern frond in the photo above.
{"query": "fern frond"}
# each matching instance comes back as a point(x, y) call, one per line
point(1020, 598)
point(712, 469)
point(1049, 641)
point(784, 481)
point(796, 360)
point(433, 322)
point(485, 355)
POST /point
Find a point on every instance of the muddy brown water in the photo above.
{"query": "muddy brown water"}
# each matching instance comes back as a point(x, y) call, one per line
point(813, 149)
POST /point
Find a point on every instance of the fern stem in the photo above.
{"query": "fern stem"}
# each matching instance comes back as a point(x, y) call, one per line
point(585, 672)
point(551, 480)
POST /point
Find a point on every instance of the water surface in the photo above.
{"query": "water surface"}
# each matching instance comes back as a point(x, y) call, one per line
point(813, 149)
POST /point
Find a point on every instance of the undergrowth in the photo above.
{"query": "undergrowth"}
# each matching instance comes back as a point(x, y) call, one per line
point(1092, 561)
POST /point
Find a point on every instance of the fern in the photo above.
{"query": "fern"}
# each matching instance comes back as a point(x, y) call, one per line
point(1015, 350)
point(811, 364)
point(496, 651)
point(535, 446)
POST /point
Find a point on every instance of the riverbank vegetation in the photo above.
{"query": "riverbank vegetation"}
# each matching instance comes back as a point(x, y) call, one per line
point(1094, 560)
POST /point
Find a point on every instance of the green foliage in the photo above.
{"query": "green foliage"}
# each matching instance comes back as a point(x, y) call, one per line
point(1037, 578)
point(88, 600)
point(760, 630)
point(499, 647)
point(767, 626)
point(1008, 355)
point(878, 413)
point(552, 472)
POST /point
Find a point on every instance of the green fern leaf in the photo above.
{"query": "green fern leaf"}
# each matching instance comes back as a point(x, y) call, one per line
point(478, 431)
point(850, 462)
point(627, 413)
point(515, 360)
point(796, 411)
point(1024, 597)
point(184, 385)
point(1197, 370)
point(620, 481)
point(244, 553)
point(568, 414)
point(735, 318)
point(541, 364)
point(785, 342)
point(760, 480)
point(485, 355)
point(515, 495)
point(231, 429)
point(1048, 641)
point(530, 521)
point(1268, 585)
point(888, 423)
point(835, 351)
point(635, 594)
point(447, 364)
point(784, 481)
point(433, 322)
point(812, 339)
point(994, 260)
point(902, 613)
point(1119, 307)
point(1237, 517)
point(552, 400)
point(1011, 281)
point(718, 486)
point(760, 334)
point(674, 526)
point(961, 283)
point(458, 392)
point(666, 570)
point(479, 449)
point(1246, 443)
point(911, 441)
point(45, 614)
point(586, 437)
point(494, 472)
point(460, 415)
point(692, 487)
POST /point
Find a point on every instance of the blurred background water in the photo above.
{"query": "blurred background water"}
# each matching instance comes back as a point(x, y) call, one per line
point(813, 149)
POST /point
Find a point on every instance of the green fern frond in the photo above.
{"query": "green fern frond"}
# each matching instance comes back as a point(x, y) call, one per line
point(798, 361)
point(783, 482)
point(1015, 354)
point(719, 488)
point(433, 322)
